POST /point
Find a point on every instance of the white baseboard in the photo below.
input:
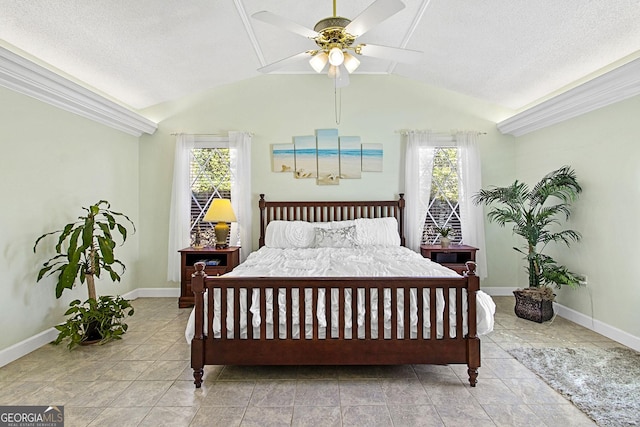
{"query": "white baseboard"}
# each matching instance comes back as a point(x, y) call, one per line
point(499, 291)
point(581, 319)
point(25, 347)
point(152, 293)
point(602, 328)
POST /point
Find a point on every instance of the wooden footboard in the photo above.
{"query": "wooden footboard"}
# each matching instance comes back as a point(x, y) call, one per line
point(374, 339)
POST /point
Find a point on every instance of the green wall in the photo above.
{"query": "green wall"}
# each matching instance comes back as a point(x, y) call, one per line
point(276, 108)
point(52, 163)
point(604, 148)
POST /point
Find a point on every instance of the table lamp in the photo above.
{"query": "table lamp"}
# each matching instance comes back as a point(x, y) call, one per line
point(221, 212)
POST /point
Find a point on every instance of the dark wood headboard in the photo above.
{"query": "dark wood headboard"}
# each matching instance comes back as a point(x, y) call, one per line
point(330, 211)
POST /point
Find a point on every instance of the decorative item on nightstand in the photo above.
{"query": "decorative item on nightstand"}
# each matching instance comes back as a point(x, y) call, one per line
point(445, 235)
point(220, 211)
point(197, 241)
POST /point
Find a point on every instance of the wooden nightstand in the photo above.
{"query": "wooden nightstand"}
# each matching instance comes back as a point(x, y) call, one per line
point(219, 261)
point(453, 257)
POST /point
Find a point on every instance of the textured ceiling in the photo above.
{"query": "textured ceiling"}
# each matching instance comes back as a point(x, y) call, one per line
point(144, 52)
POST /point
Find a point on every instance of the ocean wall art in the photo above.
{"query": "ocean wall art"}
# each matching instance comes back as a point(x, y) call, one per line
point(327, 157)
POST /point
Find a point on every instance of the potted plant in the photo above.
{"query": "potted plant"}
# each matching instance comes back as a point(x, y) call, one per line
point(536, 216)
point(445, 235)
point(85, 249)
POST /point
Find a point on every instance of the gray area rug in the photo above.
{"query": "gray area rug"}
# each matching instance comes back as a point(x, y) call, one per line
point(603, 383)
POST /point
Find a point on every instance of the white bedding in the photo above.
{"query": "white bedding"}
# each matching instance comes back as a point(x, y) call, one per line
point(359, 261)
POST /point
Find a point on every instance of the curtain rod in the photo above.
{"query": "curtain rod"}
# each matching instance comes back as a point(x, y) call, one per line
point(197, 134)
point(405, 132)
point(222, 135)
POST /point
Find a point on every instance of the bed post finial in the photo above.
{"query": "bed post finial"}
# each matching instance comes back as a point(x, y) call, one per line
point(261, 204)
point(197, 346)
point(470, 268)
point(473, 342)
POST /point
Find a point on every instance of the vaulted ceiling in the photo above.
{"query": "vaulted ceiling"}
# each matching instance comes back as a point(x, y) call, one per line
point(143, 52)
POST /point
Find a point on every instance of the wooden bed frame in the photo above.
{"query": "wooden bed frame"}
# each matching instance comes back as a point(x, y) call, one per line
point(209, 350)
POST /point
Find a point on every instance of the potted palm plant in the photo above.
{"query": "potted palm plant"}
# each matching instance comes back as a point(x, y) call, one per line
point(536, 216)
point(85, 249)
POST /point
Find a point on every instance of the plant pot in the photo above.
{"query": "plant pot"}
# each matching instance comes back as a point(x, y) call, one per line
point(445, 242)
point(92, 335)
point(532, 308)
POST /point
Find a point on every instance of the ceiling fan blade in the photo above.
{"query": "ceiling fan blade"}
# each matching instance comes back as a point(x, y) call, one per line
point(406, 56)
point(377, 12)
point(284, 62)
point(284, 23)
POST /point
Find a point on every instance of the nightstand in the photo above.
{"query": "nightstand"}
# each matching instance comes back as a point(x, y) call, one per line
point(218, 261)
point(453, 257)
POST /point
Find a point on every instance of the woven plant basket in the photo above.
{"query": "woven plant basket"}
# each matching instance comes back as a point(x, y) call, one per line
point(531, 308)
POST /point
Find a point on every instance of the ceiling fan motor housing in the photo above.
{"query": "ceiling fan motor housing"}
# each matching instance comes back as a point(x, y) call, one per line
point(331, 22)
point(331, 32)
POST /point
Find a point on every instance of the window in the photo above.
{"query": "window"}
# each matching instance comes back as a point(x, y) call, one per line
point(210, 178)
point(223, 168)
point(444, 208)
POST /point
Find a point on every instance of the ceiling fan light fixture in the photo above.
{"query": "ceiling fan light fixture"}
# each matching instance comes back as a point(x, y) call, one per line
point(318, 61)
point(342, 77)
point(351, 63)
point(334, 72)
point(336, 56)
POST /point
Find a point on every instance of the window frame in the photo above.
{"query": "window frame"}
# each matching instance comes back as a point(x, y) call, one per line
point(205, 231)
point(429, 235)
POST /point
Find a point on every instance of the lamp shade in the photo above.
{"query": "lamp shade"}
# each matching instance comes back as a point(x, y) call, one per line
point(319, 61)
point(220, 210)
point(350, 62)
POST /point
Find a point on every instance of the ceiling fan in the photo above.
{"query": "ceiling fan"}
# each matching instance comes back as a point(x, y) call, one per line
point(335, 38)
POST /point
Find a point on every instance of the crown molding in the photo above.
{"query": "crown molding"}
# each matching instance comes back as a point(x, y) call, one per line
point(614, 86)
point(27, 77)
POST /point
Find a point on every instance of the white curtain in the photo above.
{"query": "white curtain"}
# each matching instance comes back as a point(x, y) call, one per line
point(179, 215)
point(470, 182)
point(417, 184)
point(420, 151)
point(241, 196)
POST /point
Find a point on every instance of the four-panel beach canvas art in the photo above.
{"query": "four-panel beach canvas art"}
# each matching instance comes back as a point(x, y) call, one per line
point(327, 157)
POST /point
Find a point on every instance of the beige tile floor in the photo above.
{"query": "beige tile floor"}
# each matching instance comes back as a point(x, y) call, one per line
point(145, 380)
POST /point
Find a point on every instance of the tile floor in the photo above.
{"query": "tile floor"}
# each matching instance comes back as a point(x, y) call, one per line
point(145, 380)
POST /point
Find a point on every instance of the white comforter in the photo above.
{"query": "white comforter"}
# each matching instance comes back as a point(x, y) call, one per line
point(367, 261)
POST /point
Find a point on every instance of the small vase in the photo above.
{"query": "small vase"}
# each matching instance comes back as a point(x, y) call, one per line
point(444, 242)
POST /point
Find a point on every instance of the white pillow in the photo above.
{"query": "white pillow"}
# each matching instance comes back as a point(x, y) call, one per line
point(341, 224)
point(344, 237)
point(289, 234)
point(325, 225)
point(377, 231)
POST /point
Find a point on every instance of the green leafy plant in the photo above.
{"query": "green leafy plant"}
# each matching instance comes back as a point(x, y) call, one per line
point(99, 320)
point(535, 214)
point(84, 249)
point(444, 231)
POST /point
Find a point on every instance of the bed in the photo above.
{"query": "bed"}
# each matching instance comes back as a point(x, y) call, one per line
point(399, 308)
